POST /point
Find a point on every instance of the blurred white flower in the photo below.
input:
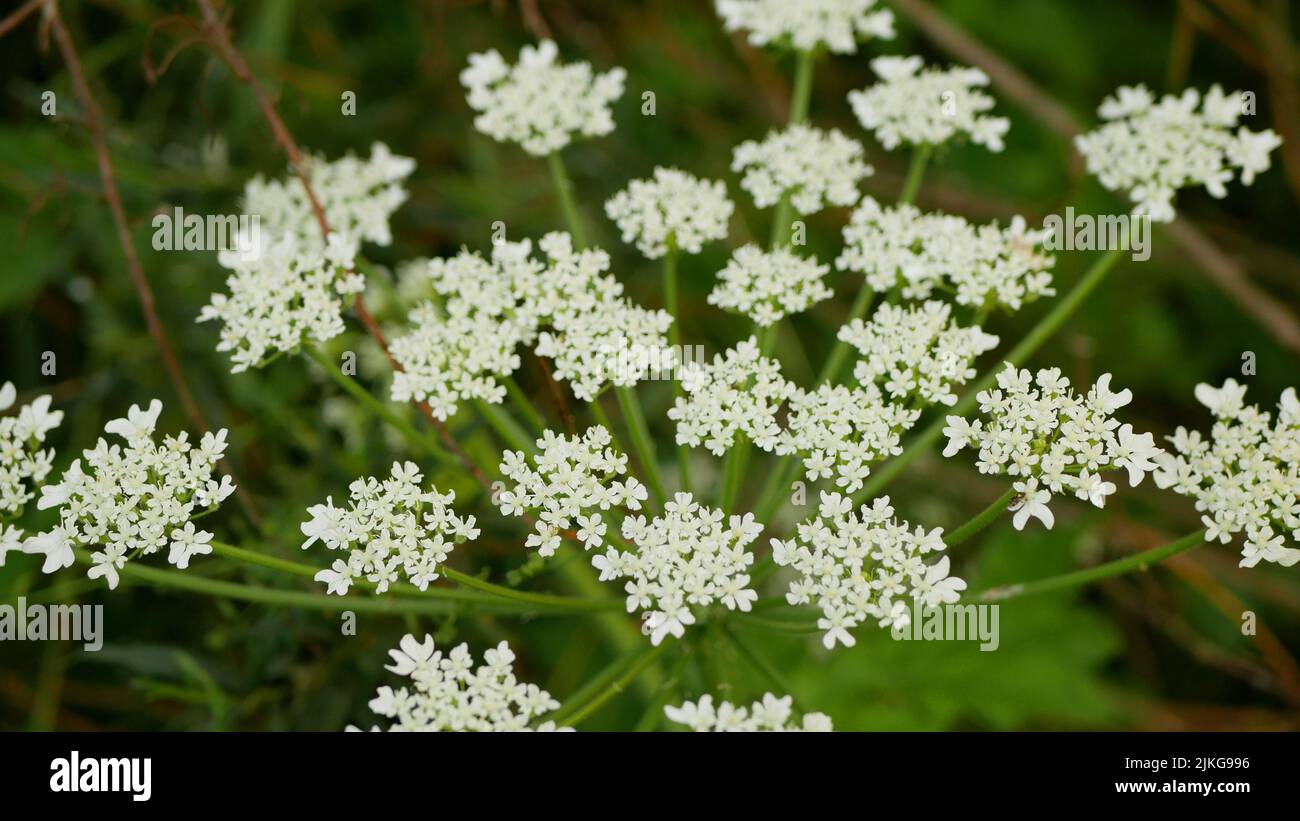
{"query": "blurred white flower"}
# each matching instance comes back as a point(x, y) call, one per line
point(927, 106)
point(814, 168)
point(806, 25)
point(771, 715)
point(24, 464)
point(672, 210)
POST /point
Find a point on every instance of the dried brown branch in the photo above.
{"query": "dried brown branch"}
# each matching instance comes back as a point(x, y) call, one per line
point(20, 14)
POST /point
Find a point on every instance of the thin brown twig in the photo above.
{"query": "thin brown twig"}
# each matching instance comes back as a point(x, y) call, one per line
point(20, 14)
point(557, 396)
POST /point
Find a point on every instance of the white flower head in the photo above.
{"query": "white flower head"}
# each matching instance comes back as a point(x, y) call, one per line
point(447, 693)
point(739, 392)
point(984, 266)
point(814, 168)
point(1149, 149)
point(836, 25)
point(539, 102)
point(389, 526)
point(569, 481)
point(1052, 440)
point(133, 498)
point(861, 566)
point(767, 286)
point(691, 556)
point(1245, 478)
point(673, 210)
point(927, 106)
point(24, 464)
point(770, 715)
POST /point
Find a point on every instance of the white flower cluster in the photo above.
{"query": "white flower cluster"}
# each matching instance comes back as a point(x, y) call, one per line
point(810, 166)
point(23, 464)
point(456, 349)
point(1246, 477)
point(771, 715)
point(673, 210)
point(741, 391)
point(593, 330)
point(687, 557)
point(135, 500)
point(449, 695)
point(571, 480)
point(767, 286)
point(918, 351)
point(357, 195)
point(1150, 149)
point(808, 24)
point(292, 291)
point(984, 266)
point(539, 102)
point(865, 565)
point(841, 432)
point(389, 526)
point(927, 107)
point(1040, 430)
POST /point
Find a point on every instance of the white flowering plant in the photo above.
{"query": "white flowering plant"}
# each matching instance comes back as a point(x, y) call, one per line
point(690, 436)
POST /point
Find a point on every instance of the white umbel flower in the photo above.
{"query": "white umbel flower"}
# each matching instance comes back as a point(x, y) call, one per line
point(1055, 441)
point(136, 498)
point(357, 195)
point(814, 168)
point(865, 565)
point(538, 102)
point(290, 293)
point(836, 25)
point(927, 106)
point(388, 526)
point(739, 392)
point(1245, 477)
point(841, 432)
point(1150, 149)
point(916, 352)
point(448, 694)
point(984, 266)
point(691, 556)
point(568, 484)
point(459, 349)
point(673, 210)
point(767, 286)
point(771, 715)
point(24, 464)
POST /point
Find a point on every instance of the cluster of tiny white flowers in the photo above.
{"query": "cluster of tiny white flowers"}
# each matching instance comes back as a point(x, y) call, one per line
point(917, 351)
point(767, 286)
point(570, 481)
point(674, 210)
point(812, 167)
point(771, 715)
point(290, 292)
point(388, 526)
point(456, 349)
point(448, 694)
point(1246, 477)
point(741, 391)
point(927, 107)
point(984, 266)
point(808, 24)
point(1053, 439)
point(135, 500)
point(1150, 149)
point(841, 432)
point(539, 102)
point(358, 196)
point(23, 463)
point(592, 329)
point(864, 565)
point(691, 556)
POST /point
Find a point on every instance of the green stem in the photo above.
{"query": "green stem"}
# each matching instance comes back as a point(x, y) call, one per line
point(733, 471)
point(915, 171)
point(835, 362)
point(757, 662)
point(564, 191)
point(981, 521)
point(1128, 564)
point(506, 427)
point(641, 442)
point(1047, 326)
point(675, 339)
point(525, 407)
point(802, 92)
point(640, 662)
point(376, 406)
